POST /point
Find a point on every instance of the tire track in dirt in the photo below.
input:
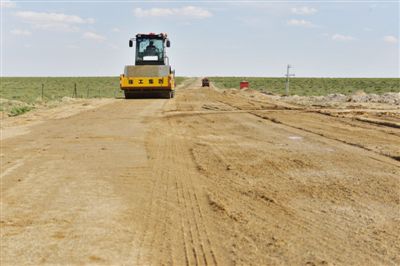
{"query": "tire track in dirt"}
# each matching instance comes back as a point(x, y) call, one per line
point(224, 158)
point(158, 243)
point(207, 252)
point(182, 228)
point(307, 224)
point(202, 249)
point(154, 241)
point(174, 203)
point(196, 181)
point(324, 135)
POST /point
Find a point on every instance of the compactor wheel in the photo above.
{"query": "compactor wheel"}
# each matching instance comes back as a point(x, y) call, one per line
point(131, 95)
point(128, 95)
point(169, 94)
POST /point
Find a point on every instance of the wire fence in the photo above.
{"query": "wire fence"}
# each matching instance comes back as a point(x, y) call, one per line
point(38, 89)
point(34, 90)
point(79, 92)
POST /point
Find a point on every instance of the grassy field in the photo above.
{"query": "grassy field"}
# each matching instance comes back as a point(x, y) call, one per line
point(313, 86)
point(22, 94)
point(29, 90)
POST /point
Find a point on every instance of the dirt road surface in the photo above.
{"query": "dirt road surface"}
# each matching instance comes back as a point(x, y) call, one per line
point(211, 177)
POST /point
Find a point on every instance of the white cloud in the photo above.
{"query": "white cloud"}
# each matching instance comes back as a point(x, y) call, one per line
point(153, 12)
point(300, 23)
point(196, 12)
point(187, 12)
point(93, 36)
point(19, 32)
point(390, 39)
point(7, 4)
point(53, 21)
point(304, 10)
point(342, 38)
point(116, 29)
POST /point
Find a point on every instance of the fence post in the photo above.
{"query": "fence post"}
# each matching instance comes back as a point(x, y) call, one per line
point(75, 92)
point(99, 93)
point(42, 91)
point(87, 93)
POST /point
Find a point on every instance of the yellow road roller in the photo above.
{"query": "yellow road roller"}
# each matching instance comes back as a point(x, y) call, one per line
point(151, 76)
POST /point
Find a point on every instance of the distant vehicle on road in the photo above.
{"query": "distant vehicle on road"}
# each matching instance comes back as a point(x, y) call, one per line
point(205, 82)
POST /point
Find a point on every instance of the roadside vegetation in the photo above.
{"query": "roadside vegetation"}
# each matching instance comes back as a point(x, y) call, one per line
point(22, 94)
point(19, 110)
point(313, 86)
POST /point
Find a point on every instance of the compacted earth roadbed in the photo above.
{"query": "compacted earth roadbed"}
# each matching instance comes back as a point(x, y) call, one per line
point(210, 177)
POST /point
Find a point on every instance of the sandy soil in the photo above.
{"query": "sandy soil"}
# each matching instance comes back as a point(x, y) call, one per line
point(211, 177)
point(12, 126)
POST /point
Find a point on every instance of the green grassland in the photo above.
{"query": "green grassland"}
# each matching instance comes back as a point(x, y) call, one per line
point(22, 94)
point(29, 90)
point(313, 86)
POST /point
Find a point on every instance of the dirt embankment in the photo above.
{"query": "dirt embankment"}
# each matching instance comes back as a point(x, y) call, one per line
point(337, 100)
point(211, 177)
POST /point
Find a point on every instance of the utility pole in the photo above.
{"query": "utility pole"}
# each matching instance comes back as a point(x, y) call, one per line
point(288, 75)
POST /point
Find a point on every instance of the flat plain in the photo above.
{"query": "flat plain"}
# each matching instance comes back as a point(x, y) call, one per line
point(212, 177)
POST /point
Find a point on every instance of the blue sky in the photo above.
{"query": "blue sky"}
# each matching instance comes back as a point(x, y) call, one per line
point(224, 38)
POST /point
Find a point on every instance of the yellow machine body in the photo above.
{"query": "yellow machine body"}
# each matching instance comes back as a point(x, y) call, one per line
point(147, 83)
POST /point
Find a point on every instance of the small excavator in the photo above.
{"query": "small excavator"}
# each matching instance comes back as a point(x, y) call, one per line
point(151, 75)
